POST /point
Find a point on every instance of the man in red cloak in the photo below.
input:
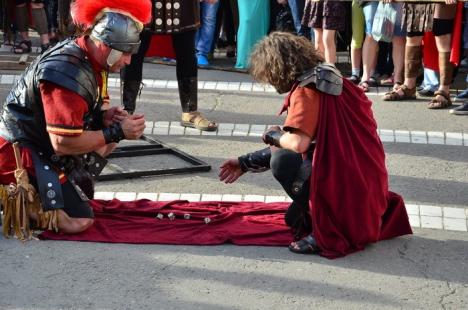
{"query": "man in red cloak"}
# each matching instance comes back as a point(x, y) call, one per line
point(328, 156)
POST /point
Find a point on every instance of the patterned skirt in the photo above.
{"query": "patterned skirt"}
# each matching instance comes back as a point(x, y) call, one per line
point(325, 14)
point(418, 17)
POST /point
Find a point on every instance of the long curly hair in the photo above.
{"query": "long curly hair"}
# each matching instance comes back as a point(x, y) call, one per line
point(280, 58)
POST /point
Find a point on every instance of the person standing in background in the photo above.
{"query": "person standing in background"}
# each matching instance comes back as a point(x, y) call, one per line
point(182, 29)
point(326, 17)
point(205, 34)
point(254, 19)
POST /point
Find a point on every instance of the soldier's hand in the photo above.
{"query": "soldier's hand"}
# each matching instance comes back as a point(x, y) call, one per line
point(230, 171)
point(114, 115)
point(133, 126)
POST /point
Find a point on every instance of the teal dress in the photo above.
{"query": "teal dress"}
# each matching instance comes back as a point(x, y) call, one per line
point(254, 21)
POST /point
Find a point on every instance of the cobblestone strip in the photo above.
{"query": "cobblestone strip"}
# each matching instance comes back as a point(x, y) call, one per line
point(206, 85)
point(420, 216)
point(256, 130)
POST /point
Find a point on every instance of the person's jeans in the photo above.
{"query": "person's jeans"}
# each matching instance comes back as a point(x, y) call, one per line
point(431, 80)
point(297, 11)
point(205, 35)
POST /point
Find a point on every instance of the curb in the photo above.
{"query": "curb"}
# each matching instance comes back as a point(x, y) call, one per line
point(164, 128)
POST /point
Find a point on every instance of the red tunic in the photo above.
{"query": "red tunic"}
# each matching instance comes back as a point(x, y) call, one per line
point(62, 118)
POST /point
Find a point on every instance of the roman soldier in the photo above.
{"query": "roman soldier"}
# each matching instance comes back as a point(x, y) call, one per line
point(58, 111)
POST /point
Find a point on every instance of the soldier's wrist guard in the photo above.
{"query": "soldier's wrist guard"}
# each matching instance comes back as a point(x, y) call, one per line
point(258, 161)
point(113, 134)
point(273, 137)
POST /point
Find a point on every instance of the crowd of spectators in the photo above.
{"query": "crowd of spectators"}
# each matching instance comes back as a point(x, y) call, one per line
point(235, 26)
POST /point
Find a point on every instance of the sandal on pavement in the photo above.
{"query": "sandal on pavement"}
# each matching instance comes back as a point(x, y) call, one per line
point(441, 100)
point(394, 95)
point(387, 80)
point(196, 120)
point(397, 85)
point(354, 79)
point(372, 82)
point(364, 85)
point(22, 47)
point(306, 245)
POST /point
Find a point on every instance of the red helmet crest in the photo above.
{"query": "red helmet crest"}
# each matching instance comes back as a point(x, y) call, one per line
point(86, 12)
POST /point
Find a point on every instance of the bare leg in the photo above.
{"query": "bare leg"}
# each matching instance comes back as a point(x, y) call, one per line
point(356, 56)
point(398, 53)
point(71, 225)
point(410, 77)
point(369, 57)
point(330, 45)
point(443, 46)
point(318, 35)
point(68, 224)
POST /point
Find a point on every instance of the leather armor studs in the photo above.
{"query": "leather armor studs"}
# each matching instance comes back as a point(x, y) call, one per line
point(167, 16)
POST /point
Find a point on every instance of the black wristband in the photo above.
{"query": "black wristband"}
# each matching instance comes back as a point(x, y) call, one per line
point(258, 161)
point(273, 137)
point(113, 134)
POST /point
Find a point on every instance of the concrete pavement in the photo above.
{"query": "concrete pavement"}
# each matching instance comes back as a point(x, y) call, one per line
point(425, 271)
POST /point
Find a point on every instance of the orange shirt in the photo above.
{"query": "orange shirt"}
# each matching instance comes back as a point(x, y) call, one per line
point(303, 111)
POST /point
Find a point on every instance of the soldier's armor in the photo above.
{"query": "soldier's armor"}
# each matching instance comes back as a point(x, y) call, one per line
point(173, 16)
point(22, 117)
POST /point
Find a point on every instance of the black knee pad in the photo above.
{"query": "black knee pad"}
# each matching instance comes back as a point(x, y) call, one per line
point(414, 34)
point(284, 162)
point(442, 26)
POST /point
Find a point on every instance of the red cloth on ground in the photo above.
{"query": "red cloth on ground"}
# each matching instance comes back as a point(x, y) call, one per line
point(430, 52)
point(243, 223)
point(350, 204)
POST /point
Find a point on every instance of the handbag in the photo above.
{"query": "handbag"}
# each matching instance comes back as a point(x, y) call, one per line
point(384, 22)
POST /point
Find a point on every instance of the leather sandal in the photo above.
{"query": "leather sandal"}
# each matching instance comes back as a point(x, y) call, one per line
point(306, 245)
point(394, 95)
point(364, 85)
point(22, 47)
point(441, 100)
point(196, 120)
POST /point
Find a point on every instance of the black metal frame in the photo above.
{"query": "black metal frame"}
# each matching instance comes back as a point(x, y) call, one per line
point(155, 147)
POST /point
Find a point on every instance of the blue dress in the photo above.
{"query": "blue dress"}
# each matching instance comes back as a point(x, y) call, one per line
point(254, 21)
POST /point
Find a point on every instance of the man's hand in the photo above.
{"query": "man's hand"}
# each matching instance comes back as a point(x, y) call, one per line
point(272, 136)
point(230, 171)
point(209, 1)
point(450, 1)
point(133, 126)
point(114, 115)
point(283, 2)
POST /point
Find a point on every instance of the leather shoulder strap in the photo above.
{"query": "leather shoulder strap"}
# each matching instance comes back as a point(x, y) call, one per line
point(326, 78)
point(68, 67)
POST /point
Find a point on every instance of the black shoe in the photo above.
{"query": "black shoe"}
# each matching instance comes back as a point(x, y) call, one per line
point(130, 90)
point(462, 97)
point(460, 110)
point(354, 79)
point(426, 93)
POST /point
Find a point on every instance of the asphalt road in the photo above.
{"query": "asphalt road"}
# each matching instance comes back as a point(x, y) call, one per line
point(428, 270)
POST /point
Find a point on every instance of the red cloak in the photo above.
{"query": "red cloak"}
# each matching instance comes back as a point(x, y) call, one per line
point(350, 203)
point(431, 55)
